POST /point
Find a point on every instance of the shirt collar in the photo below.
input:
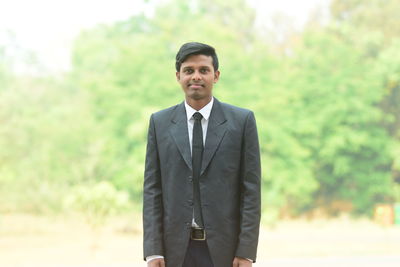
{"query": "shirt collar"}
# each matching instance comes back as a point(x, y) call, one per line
point(205, 111)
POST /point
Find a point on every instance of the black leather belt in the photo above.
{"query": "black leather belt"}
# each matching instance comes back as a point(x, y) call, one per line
point(197, 234)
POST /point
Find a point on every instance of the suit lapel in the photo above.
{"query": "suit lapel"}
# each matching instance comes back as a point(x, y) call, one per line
point(215, 132)
point(179, 132)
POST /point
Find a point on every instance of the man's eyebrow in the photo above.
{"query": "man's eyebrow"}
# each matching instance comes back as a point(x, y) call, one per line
point(201, 67)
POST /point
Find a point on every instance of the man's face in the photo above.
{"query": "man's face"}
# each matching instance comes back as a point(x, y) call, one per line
point(197, 77)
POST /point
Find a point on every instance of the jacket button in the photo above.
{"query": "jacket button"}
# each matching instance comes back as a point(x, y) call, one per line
point(190, 178)
point(190, 202)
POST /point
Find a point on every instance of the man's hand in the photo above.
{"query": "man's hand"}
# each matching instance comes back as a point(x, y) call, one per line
point(241, 262)
point(156, 263)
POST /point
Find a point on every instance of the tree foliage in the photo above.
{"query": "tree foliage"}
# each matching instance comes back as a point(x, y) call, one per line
point(327, 109)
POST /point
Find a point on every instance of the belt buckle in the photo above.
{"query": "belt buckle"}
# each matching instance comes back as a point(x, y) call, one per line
point(198, 234)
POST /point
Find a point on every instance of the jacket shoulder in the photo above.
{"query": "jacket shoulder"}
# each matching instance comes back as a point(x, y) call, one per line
point(235, 111)
point(164, 113)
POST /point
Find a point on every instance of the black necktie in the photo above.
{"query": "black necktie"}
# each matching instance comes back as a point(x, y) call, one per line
point(197, 154)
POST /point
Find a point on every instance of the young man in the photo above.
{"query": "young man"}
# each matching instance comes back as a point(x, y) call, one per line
point(201, 199)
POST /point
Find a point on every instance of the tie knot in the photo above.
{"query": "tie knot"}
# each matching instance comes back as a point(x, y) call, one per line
point(197, 116)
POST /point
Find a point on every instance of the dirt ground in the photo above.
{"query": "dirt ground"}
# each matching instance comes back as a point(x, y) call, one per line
point(35, 241)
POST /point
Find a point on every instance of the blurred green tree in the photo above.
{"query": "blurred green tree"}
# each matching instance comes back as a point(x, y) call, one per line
point(373, 27)
point(326, 105)
point(337, 117)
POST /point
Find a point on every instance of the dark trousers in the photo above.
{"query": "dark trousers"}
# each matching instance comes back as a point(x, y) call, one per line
point(197, 255)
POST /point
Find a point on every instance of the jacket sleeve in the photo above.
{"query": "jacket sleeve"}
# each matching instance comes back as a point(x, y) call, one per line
point(152, 198)
point(250, 209)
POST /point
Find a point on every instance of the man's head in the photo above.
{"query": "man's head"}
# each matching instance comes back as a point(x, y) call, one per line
point(194, 48)
point(197, 70)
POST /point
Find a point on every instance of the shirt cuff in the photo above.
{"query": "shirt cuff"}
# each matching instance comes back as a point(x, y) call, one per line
point(153, 257)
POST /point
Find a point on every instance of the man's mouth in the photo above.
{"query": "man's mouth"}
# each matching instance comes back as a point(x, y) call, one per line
point(195, 86)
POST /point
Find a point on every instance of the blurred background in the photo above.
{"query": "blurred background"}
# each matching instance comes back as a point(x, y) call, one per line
point(79, 80)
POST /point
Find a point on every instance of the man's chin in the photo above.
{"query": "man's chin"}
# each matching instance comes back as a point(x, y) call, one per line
point(197, 96)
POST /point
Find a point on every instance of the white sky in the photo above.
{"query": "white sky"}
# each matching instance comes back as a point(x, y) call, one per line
point(48, 27)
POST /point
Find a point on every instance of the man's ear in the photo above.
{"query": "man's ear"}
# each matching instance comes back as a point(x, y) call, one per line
point(216, 76)
point(178, 76)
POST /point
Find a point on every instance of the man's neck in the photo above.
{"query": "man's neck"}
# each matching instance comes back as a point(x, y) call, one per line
point(198, 104)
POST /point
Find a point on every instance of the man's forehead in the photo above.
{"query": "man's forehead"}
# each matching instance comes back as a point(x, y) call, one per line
point(198, 60)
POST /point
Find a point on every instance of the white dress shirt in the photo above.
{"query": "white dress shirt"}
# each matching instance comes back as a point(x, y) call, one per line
point(205, 112)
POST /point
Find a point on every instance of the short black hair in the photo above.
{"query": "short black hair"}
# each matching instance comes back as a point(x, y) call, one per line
point(195, 48)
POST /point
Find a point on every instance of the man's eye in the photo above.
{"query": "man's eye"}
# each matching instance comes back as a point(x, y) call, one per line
point(189, 71)
point(203, 70)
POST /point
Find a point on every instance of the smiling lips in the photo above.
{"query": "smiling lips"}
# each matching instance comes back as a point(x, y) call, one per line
point(195, 86)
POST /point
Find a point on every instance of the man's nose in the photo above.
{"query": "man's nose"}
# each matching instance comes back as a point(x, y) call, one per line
point(196, 76)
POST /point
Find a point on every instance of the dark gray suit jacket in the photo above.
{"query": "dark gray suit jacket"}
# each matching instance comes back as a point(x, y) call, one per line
point(229, 185)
